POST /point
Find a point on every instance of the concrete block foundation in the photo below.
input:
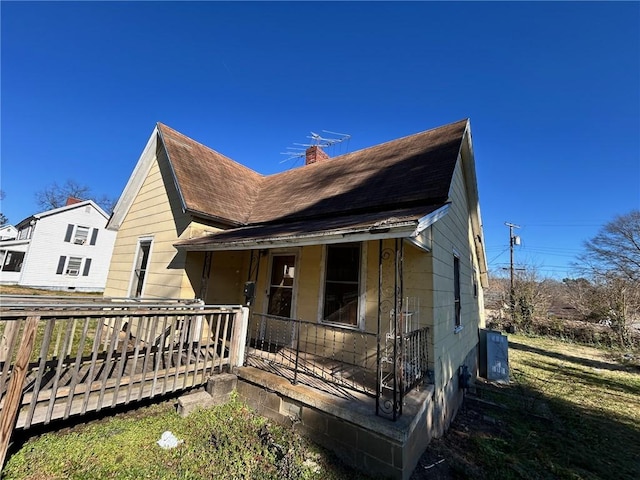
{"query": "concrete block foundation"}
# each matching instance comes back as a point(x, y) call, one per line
point(346, 426)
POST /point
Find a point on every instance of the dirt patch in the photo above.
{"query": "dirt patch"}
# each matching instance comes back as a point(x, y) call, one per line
point(453, 456)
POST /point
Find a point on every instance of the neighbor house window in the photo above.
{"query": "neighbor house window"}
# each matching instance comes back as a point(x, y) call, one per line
point(80, 235)
point(73, 266)
point(342, 284)
point(140, 268)
point(13, 261)
point(456, 291)
point(25, 233)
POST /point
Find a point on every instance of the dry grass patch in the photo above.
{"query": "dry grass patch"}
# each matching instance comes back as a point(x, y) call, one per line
point(569, 412)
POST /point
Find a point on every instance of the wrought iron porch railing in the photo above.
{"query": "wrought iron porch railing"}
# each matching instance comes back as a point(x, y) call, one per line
point(340, 360)
point(306, 352)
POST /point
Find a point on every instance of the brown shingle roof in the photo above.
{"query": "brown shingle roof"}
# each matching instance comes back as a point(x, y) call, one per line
point(408, 171)
point(403, 173)
point(210, 183)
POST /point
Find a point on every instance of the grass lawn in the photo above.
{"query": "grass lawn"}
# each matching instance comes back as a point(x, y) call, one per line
point(570, 412)
point(19, 290)
point(225, 442)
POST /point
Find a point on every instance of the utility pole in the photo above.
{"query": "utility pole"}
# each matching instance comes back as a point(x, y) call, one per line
point(513, 240)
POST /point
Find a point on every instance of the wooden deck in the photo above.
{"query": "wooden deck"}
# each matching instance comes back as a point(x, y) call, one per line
point(74, 359)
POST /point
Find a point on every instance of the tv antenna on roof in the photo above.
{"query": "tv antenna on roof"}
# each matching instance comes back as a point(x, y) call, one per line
point(295, 153)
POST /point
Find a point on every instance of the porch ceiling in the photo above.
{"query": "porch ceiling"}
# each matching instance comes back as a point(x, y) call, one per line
point(406, 222)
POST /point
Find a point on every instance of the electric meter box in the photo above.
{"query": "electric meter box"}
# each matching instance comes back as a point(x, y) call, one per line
point(494, 356)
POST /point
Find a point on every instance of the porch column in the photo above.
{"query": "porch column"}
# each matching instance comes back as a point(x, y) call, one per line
point(390, 292)
point(206, 273)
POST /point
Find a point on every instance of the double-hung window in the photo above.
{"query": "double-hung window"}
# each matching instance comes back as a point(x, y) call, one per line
point(79, 235)
point(73, 266)
point(342, 284)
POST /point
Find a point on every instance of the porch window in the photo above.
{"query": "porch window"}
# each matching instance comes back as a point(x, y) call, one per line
point(13, 261)
point(342, 284)
point(140, 268)
point(456, 291)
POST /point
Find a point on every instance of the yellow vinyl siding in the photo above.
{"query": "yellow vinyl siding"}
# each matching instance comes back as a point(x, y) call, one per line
point(453, 234)
point(310, 268)
point(227, 277)
point(155, 213)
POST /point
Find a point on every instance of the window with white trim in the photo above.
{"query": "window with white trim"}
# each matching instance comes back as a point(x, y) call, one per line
point(79, 235)
point(12, 261)
point(140, 268)
point(25, 233)
point(342, 284)
point(73, 266)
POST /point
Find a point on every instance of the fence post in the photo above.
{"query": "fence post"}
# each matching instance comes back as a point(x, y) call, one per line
point(239, 338)
point(9, 413)
point(10, 331)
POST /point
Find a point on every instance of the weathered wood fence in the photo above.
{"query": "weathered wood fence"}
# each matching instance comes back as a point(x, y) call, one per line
point(61, 360)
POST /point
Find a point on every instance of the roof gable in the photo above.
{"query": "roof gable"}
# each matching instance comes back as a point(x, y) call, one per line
point(66, 208)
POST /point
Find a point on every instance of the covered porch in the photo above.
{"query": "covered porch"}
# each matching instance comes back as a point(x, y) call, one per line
point(332, 302)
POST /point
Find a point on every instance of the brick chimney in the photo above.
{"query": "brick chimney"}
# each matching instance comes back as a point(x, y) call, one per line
point(72, 200)
point(315, 154)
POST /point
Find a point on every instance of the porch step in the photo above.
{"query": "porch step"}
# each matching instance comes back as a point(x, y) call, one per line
point(217, 392)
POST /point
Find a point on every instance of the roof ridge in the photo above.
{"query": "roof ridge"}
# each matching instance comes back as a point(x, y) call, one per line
point(377, 145)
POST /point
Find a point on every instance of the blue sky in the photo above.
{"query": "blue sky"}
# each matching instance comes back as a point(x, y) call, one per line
point(552, 91)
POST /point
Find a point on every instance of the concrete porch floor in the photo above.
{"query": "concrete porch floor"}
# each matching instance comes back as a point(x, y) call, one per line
point(345, 421)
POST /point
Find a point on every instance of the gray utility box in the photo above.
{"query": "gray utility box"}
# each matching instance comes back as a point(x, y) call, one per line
point(494, 356)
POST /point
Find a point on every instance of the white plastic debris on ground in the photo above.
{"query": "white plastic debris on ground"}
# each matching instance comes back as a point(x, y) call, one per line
point(168, 440)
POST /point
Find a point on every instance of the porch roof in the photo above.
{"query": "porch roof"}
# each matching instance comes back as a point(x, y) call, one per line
point(399, 223)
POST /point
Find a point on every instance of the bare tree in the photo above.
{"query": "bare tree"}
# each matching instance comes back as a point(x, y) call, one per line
point(581, 294)
point(55, 196)
point(612, 264)
point(533, 297)
point(616, 248)
point(531, 293)
point(3, 218)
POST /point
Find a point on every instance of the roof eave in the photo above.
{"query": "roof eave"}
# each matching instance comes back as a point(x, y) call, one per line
point(399, 230)
point(134, 184)
point(213, 218)
point(468, 163)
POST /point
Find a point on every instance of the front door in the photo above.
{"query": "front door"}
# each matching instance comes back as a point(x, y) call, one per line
point(281, 285)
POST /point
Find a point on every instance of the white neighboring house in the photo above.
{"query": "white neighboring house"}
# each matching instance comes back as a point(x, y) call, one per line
point(67, 248)
point(8, 232)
